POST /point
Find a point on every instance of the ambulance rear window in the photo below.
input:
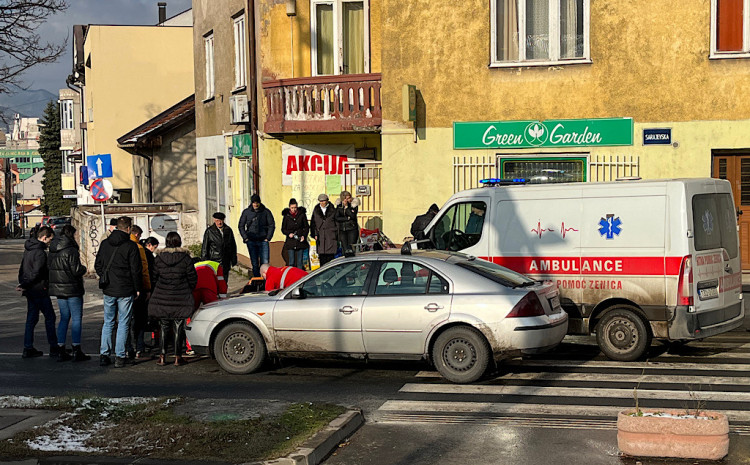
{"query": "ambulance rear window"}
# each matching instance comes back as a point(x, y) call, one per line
point(715, 223)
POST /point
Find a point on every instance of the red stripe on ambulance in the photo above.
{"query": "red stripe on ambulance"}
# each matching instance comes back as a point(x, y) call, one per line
point(628, 266)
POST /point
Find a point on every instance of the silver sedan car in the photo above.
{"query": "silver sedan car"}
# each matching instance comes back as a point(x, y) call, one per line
point(456, 311)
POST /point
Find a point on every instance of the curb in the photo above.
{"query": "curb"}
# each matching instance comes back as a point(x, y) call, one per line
point(325, 441)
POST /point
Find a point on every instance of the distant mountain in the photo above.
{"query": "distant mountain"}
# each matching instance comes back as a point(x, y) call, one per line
point(28, 103)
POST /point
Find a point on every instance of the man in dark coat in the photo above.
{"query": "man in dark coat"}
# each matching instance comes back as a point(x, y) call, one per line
point(33, 280)
point(256, 228)
point(324, 229)
point(118, 262)
point(421, 222)
point(346, 217)
point(219, 245)
point(295, 228)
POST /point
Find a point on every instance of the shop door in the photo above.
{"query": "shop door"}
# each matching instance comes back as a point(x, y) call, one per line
point(736, 169)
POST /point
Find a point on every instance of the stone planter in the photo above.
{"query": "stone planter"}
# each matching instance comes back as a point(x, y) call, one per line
point(653, 436)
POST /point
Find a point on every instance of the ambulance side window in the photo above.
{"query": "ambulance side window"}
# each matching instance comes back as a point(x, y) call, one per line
point(460, 227)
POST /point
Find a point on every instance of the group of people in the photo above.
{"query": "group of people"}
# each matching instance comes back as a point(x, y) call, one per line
point(330, 225)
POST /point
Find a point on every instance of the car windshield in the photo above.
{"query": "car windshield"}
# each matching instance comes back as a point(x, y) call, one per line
point(496, 273)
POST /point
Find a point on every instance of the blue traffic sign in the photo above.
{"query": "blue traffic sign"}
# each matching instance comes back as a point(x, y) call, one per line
point(100, 166)
point(100, 190)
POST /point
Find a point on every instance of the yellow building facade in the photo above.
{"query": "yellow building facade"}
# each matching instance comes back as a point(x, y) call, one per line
point(132, 73)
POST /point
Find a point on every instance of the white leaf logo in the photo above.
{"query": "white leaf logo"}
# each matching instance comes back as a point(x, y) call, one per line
point(536, 131)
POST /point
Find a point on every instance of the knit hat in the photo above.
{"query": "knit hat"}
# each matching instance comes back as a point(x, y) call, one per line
point(255, 198)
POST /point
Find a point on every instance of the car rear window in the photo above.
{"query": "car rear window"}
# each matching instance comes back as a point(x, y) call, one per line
point(715, 223)
point(496, 273)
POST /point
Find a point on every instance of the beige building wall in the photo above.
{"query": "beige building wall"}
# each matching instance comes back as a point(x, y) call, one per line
point(133, 73)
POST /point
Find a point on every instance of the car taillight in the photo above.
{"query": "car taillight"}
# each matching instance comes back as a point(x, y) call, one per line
point(529, 305)
point(685, 285)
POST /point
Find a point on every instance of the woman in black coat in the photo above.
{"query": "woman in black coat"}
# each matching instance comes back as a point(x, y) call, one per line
point(172, 297)
point(66, 283)
point(346, 217)
point(295, 228)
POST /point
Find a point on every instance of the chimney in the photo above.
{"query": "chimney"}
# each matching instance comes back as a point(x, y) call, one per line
point(162, 12)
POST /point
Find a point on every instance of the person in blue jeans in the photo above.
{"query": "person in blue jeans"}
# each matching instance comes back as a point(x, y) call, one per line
point(66, 283)
point(33, 281)
point(118, 264)
point(256, 228)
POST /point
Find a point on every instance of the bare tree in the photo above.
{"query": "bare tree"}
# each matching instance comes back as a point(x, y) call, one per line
point(20, 45)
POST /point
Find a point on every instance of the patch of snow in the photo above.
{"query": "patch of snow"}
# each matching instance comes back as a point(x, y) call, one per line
point(22, 401)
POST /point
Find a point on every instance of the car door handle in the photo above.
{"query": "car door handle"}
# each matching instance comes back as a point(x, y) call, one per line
point(347, 309)
point(433, 307)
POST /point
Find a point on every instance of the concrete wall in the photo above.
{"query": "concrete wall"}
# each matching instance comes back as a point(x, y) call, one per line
point(136, 73)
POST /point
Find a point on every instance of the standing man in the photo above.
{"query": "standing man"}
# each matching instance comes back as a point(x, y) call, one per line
point(324, 229)
point(219, 245)
point(120, 271)
point(421, 221)
point(256, 227)
point(33, 280)
point(140, 305)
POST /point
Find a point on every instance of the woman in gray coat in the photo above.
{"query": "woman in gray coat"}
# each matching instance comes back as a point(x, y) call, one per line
point(324, 229)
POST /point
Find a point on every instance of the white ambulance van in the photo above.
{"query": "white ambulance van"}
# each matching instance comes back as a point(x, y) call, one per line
point(634, 260)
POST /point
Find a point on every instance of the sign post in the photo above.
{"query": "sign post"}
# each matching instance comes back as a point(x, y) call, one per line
point(101, 191)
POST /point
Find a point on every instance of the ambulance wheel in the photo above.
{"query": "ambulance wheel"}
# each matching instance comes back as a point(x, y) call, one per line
point(622, 335)
point(239, 349)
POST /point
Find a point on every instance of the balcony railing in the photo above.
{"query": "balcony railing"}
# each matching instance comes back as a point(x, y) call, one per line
point(343, 103)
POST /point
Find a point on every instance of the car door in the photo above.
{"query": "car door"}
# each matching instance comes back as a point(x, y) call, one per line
point(326, 318)
point(406, 300)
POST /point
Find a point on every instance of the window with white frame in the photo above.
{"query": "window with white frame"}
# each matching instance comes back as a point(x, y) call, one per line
point(66, 114)
point(730, 20)
point(340, 32)
point(208, 43)
point(67, 166)
point(240, 51)
point(539, 32)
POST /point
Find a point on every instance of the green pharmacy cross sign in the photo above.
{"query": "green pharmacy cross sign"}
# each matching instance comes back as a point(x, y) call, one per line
point(550, 133)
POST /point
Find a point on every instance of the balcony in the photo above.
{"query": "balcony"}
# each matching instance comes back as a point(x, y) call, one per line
point(343, 103)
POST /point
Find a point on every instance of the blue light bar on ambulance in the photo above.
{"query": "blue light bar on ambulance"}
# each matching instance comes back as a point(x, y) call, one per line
point(502, 182)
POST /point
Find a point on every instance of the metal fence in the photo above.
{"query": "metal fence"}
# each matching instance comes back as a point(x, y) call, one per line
point(467, 171)
point(611, 167)
point(370, 215)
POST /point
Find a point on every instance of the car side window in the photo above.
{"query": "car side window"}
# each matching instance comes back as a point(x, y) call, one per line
point(402, 278)
point(460, 227)
point(437, 285)
point(347, 279)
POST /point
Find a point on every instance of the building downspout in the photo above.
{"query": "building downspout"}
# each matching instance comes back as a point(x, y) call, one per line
point(253, 74)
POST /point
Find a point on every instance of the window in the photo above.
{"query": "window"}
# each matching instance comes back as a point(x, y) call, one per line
point(407, 278)
point(539, 32)
point(208, 42)
point(544, 170)
point(240, 68)
point(67, 166)
point(729, 22)
point(339, 281)
point(496, 273)
point(66, 114)
point(715, 223)
point(340, 32)
point(460, 227)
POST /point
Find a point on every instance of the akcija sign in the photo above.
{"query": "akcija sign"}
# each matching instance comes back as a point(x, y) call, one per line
point(331, 160)
point(550, 133)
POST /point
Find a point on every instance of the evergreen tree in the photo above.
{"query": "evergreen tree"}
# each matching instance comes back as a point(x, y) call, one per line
point(53, 203)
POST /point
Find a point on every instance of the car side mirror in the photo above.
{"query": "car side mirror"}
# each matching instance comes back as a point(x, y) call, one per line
point(298, 293)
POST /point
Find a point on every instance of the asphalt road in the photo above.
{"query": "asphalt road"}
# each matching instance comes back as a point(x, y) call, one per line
point(562, 404)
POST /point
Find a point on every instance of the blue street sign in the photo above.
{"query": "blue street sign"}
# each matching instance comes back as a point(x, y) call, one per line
point(661, 136)
point(100, 166)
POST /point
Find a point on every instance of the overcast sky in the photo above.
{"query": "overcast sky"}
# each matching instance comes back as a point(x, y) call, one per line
point(52, 77)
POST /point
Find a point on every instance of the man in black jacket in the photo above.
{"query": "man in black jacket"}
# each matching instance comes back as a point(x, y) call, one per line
point(219, 245)
point(33, 280)
point(118, 264)
point(421, 222)
point(256, 228)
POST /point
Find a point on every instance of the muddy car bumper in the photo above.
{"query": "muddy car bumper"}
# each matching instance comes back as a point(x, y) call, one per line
point(687, 325)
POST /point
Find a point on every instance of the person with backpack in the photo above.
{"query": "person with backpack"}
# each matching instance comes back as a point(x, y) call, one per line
point(66, 283)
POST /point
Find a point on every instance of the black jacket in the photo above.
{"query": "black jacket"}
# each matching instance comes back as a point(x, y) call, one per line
point(295, 225)
point(420, 223)
point(126, 272)
point(324, 227)
point(257, 225)
point(219, 246)
point(65, 269)
point(33, 276)
point(175, 280)
point(346, 216)
point(150, 261)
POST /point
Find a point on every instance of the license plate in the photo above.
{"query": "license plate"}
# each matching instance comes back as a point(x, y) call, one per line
point(708, 293)
point(554, 302)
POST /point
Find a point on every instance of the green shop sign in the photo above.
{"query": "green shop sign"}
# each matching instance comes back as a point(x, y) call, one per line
point(242, 145)
point(550, 133)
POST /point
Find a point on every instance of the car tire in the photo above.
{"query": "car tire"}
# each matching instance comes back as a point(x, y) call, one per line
point(623, 335)
point(239, 349)
point(461, 354)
